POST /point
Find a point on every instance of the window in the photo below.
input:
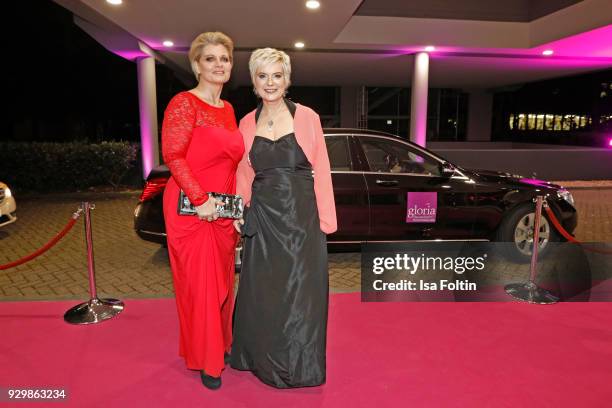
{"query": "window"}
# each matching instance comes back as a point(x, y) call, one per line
point(337, 150)
point(558, 120)
point(548, 122)
point(531, 121)
point(539, 122)
point(387, 156)
point(522, 121)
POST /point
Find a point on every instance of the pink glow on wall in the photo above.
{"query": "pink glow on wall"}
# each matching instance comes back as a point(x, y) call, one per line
point(130, 55)
point(539, 63)
point(592, 44)
point(610, 142)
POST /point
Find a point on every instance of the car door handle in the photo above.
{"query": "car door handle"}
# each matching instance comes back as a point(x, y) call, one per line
point(387, 182)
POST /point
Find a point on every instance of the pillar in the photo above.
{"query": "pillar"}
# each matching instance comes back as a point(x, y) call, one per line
point(147, 101)
point(418, 104)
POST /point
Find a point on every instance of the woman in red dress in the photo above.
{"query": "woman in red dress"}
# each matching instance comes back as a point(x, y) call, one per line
point(202, 146)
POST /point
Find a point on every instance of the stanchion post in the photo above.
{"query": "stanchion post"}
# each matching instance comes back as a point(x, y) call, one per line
point(91, 268)
point(530, 291)
point(95, 310)
point(535, 247)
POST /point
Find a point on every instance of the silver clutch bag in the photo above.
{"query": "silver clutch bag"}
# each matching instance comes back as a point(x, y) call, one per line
point(232, 206)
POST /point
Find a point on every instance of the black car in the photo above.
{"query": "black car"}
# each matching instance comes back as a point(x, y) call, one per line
point(389, 189)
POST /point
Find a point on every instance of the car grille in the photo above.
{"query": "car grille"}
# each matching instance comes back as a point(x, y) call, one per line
point(1, 195)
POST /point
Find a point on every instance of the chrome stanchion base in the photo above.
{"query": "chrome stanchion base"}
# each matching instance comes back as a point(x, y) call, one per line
point(94, 311)
point(530, 292)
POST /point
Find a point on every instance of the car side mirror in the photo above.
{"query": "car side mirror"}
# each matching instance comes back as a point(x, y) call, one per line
point(447, 169)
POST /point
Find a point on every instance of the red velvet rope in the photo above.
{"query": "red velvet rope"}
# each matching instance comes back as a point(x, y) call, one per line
point(567, 235)
point(43, 249)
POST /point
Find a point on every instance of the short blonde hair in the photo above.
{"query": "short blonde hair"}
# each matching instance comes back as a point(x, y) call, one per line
point(208, 38)
point(266, 56)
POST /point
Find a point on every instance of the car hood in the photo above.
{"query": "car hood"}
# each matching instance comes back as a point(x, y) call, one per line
point(505, 177)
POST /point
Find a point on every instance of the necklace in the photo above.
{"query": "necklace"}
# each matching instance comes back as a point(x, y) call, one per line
point(270, 123)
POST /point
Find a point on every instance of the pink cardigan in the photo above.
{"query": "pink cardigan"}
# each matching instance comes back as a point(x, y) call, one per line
point(309, 135)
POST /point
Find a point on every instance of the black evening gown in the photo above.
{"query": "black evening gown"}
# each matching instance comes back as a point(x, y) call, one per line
point(280, 324)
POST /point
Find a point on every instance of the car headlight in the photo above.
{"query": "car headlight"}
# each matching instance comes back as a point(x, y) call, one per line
point(567, 196)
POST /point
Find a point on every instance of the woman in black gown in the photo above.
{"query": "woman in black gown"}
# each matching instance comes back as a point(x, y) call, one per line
point(280, 322)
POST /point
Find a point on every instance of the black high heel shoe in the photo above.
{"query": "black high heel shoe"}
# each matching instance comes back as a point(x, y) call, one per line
point(212, 383)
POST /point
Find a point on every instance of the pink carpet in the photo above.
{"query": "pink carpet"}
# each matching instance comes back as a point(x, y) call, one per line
point(379, 355)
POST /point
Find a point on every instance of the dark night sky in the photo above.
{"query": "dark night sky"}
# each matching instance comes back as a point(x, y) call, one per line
point(65, 86)
point(61, 76)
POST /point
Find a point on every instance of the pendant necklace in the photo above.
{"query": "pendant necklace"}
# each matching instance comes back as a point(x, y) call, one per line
point(271, 118)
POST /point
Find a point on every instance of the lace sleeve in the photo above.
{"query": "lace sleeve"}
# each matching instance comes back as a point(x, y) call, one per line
point(176, 135)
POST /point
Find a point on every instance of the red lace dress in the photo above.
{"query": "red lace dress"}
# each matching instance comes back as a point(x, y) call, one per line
point(201, 146)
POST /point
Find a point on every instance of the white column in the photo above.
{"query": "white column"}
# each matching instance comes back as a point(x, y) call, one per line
point(418, 105)
point(147, 101)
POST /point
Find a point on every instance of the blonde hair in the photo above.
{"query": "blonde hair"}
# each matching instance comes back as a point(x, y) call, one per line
point(208, 38)
point(265, 56)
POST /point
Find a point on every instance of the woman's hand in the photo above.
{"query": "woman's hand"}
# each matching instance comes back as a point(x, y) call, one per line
point(208, 210)
point(238, 224)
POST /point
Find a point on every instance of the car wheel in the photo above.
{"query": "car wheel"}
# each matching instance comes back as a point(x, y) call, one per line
point(517, 229)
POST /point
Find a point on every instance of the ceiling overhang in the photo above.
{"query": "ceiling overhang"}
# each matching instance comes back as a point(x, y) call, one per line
point(348, 49)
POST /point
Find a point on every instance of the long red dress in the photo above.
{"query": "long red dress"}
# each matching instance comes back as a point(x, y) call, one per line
point(201, 146)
